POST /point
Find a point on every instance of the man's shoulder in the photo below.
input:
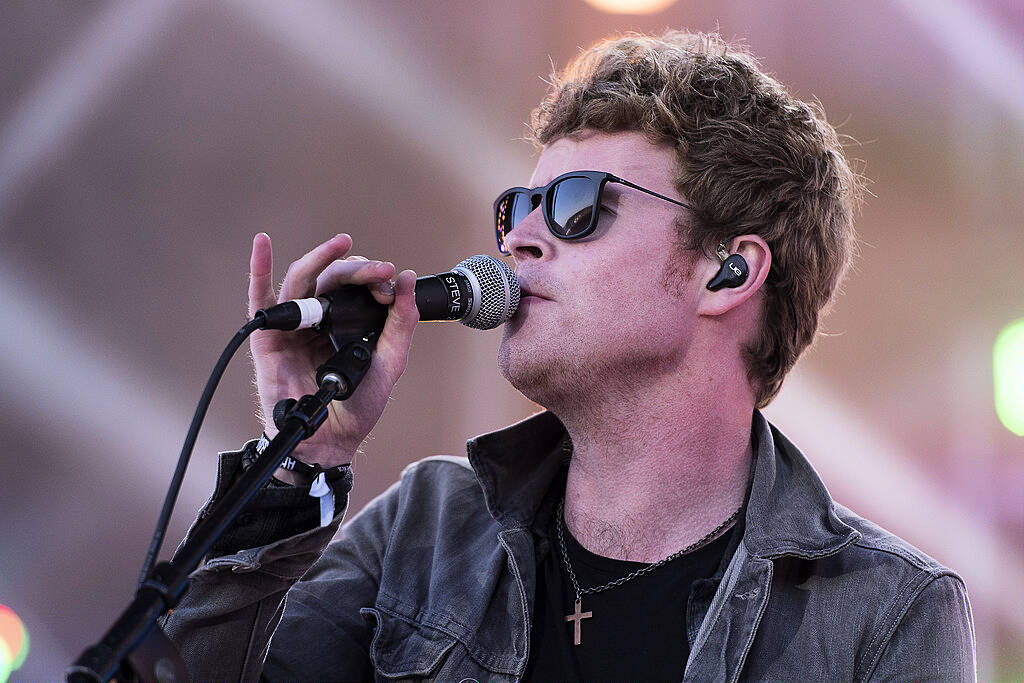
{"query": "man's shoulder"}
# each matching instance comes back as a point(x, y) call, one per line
point(885, 550)
point(853, 603)
point(889, 574)
point(437, 481)
point(876, 574)
point(443, 465)
point(437, 470)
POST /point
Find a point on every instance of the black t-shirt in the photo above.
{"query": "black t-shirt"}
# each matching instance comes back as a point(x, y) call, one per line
point(637, 630)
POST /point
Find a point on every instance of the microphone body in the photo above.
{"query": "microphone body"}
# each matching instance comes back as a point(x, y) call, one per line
point(446, 296)
point(481, 292)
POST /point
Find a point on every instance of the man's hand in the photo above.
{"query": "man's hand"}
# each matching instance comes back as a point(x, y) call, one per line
point(286, 362)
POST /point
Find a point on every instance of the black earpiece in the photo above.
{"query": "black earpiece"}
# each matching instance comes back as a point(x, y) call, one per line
point(733, 272)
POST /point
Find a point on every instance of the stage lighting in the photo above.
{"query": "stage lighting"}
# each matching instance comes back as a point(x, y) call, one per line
point(1008, 376)
point(13, 642)
point(630, 6)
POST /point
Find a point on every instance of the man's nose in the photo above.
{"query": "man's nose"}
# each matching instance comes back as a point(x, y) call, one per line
point(531, 238)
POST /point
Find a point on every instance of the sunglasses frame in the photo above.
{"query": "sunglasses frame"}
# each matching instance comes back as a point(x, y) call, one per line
point(601, 178)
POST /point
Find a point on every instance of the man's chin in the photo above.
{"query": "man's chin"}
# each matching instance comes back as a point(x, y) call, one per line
point(507, 363)
point(533, 374)
point(518, 368)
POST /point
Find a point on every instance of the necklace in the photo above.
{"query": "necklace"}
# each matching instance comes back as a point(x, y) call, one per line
point(578, 614)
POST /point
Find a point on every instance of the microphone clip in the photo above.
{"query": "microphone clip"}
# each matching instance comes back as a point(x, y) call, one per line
point(349, 364)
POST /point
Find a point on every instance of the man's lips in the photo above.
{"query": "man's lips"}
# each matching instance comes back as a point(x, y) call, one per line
point(527, 291)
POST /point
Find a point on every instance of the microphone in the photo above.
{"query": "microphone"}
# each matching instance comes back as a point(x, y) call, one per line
point(480, 292)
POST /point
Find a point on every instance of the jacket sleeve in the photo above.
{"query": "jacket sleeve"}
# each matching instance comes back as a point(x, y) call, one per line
point(234, 601)
point(934, 640)
point(324, 634)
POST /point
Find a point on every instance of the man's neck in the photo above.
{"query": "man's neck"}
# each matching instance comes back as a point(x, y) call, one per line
point(649, 480)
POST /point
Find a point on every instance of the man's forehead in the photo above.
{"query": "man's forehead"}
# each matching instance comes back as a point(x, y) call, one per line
point(627, 154)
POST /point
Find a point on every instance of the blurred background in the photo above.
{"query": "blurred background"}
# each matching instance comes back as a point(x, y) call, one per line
point(144, 142)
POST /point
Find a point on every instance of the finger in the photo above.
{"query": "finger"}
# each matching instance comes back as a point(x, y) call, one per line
point(383, 292)
point(261, 274)
point(376, 274)
point(300, 280)
point(396, 338)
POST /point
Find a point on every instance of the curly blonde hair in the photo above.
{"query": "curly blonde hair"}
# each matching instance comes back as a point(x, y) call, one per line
point(751, 159)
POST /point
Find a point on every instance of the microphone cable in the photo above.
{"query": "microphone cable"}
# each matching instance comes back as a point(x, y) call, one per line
point(256, 323)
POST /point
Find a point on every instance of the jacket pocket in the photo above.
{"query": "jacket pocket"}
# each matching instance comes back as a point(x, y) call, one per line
point(403, 648)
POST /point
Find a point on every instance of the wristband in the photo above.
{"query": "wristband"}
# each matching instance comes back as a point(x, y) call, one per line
point(319, 487)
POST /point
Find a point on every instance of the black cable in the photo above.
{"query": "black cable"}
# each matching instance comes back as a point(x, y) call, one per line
point(190, 440)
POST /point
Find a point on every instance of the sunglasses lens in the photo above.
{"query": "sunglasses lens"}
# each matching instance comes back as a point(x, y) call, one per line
point(569, 208)
point(510, 212)
point(572, 205)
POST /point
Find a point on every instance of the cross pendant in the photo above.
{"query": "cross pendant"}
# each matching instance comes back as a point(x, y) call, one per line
point(577, 617)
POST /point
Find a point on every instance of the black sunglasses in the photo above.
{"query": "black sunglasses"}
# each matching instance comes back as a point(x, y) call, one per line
point(571, 203)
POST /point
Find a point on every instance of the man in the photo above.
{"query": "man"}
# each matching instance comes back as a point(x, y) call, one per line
point(686, 223)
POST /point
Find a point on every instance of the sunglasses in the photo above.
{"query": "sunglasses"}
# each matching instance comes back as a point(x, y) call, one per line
point(571, 203)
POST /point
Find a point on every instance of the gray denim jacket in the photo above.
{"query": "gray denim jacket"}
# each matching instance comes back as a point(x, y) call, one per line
point(435, 580)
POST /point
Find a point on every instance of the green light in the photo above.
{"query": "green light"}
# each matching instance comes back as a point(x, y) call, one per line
point(13, 642)
point(1008, 376)
point(5, 662)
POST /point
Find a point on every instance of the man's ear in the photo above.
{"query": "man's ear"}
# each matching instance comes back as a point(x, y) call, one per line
point(758, 257)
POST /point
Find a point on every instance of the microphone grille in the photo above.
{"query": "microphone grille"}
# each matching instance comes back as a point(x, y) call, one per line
point(499, 291)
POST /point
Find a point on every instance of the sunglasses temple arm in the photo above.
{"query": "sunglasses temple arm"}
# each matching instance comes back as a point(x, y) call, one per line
point(650, 192)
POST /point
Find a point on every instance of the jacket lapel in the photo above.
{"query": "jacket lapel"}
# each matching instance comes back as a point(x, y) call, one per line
point(724, 639)
point(789, 513)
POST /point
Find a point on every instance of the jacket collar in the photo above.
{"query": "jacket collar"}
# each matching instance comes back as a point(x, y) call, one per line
point(789, 511)
point(518, 464)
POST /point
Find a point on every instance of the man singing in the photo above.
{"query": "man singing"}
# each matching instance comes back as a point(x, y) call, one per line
point(686, 223)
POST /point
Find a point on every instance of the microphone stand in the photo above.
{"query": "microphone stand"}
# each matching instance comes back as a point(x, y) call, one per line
point(135, 636)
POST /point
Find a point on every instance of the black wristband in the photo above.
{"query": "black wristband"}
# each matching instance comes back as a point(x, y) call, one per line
point(291, 464)
point(321, 480)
